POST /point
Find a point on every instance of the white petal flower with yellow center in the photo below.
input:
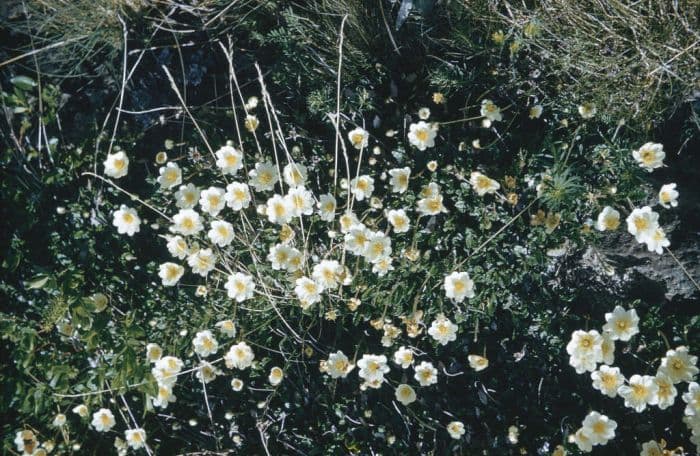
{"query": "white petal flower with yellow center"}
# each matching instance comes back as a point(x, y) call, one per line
point(490, 111)
point(205, 344)
point(186, 222)
point(103, 420)
point(478, 363)
point(153, 352)
point(642, 223)
point(221, 233)
point(187, 196)
point(116, 165)
point(229, 160)
point(264, 177)
point(403, 357)
point(326, 207)
point(301, 201)
point(166, 370)
point(405, 394)
point(239, 356)
point(170, 175)
point(307, 291)
point(295, 174)
point(587, 110)
point(424, 113)
point(666, 394)
point(692, 398)
point(372, 368)
point(458, 285)
point(240, 286)
point(399, 220)
point(585, 350)
point(668, 196)
point(535, 112)
point(170, 273)
point(164, 397)
point(362, 187)
point(456, 429)
point(657, 241)
point(640, 391)
point(483, 184)
point(326, 274)
point(599, 428)
point(126, 220)
point(583, 440)
point(237, 196)
point(212, 200)
point(422, 135)
point(202, 261)
point(650, 156)
point(227, 327)
point(338, 365)
point(237, 384)
point(279, 210)
point(621, 324)
point(276, 376)
point(426, 374)
point(679, 365)
point(399, 179)
point(608, 219)
point(177, 246)
point(607, 380)
point(378, 247)
point(443, 330)
point(359, 138)
point(136, 438)
point(382, 266)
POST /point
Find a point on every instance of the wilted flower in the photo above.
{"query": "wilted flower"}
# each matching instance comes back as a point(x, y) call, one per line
point(478, 363)
point(668, 196)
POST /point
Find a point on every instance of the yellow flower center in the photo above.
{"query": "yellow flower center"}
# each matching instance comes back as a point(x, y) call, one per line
point(362, 185)
point(265, 177)
point(641, 223)
point(434, 205)
point(639, 391)
point(119, 164)
point(422, 135)
point(188, 224)
point(128, 218)
point(599, 427)
point(231, 160)
point(357, 138)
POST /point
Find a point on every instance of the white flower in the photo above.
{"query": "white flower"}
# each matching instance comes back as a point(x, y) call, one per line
point(373, 367)
point(81, 410)
point(170, 273)
point(116, 165)
point(403, 357)
point(607, 348)
point(251, 122)
point(59, 420)
point(585, 350)
point(136, 438)
point(382, 266)
point(422, 135)
point(205, 344)
point(229, 160)
point(491, 111)
point(621, 324)
point(608, 219)
point(535, 112)
point(426, 374)
point(338, 365)
point(326, 273)
point(443, 330)
point(252, 103)
point(378, 246)
point(103, 420)
point(458, 286)
point(650, 156)
point(652, 448)
point(166, 369)
point(679, 365)
point(668, 196)
point(301, 201)
point(587, 110)
point(276, 376)
point(326, 207)
point(599, 428)
point(263, 177)
point(165, 396)
point(177, 246)
point(126, 220)
point(170, 175)
point(583, 440)
point(237, 384)
point(212, 200)
point(348, 221)
point(431, 205)
point(424, 113)
point(692, 398)
point(362, 187)
point(153, 352)
point(237, 196)
point(279, 255)
point(657, 241)
point(399, 220)
point(221, 233)
point(359, 138)
point(483, 184)
point(357, 239)
point(666, 394)
point(405, 394)
point(240, 286)
point(294, 174)
point(279, 210)
point(642, 223)
point(478, 363)
point(239, 356)
point(187, 196)
point(186, 222)
point(642, 390)
point(308, 291)
point(399, 179)
point(207, 372)
point(202, 262)
point(227, 327)
point(456, 429)
point(607, 380)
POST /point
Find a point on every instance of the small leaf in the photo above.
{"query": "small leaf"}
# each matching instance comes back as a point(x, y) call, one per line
point(23, 82)
point(37, 282)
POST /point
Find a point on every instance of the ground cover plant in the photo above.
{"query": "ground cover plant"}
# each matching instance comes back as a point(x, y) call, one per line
point(396, 227)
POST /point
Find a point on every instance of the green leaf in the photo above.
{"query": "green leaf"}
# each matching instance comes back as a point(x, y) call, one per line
point(23, 82)
point(37, 282)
